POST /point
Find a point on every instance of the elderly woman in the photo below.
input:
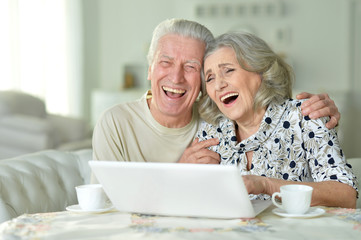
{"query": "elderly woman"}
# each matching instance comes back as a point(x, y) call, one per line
point(248, 107)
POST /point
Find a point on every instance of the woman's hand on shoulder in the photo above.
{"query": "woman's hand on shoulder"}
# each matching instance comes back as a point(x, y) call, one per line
point(320, 105)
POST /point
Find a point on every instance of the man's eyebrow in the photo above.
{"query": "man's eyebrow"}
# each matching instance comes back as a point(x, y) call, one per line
point(166, 56)
point(188, 61)
point(195, 61)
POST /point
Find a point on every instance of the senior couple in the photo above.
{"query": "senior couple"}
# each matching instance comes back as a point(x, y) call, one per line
point(244, 116)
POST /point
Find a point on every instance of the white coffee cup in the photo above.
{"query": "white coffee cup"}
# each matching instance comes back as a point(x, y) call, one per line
point(91, 197)
point(296, 198)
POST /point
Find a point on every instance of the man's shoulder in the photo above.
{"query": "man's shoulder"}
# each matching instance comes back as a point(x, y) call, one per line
point(124, 110)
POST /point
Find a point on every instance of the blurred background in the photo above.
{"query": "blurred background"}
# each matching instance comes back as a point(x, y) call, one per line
point(82, 56)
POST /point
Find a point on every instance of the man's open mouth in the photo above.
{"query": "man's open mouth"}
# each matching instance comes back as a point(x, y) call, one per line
point(229, 98)
point(173, 92)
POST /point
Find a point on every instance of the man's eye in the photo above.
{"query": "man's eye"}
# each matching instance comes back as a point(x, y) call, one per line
point(190, 68)
point(164, 63)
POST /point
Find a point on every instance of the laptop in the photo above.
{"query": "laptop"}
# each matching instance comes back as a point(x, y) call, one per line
point(177, 189)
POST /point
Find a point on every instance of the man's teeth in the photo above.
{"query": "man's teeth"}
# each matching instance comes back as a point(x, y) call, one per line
point(179, 91)
point(228, 96)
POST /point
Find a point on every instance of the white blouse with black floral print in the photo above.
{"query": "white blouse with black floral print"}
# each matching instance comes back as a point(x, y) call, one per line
point(287, 146)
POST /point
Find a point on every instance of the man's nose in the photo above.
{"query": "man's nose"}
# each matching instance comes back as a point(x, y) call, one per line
point(177, 74)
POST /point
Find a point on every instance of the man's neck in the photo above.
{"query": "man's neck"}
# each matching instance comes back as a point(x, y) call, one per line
point(169, 121)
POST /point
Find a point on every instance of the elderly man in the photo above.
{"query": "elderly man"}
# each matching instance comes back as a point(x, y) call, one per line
point(161, 126)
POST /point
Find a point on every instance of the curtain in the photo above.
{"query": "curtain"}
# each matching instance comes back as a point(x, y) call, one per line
point(41, 51)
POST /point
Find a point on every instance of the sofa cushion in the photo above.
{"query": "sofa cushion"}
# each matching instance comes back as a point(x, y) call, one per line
point(41, 182)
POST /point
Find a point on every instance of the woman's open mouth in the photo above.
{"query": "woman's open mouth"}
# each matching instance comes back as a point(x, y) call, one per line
point(229, 98)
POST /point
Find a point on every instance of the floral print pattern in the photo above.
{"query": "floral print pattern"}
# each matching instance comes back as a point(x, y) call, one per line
point(287, 146)
point(116, 225)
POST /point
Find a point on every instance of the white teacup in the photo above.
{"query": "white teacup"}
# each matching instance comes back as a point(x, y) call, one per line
point(296, 198)
point(91, 197)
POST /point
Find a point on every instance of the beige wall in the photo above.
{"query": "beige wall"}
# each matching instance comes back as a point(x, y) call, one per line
point(318, 38)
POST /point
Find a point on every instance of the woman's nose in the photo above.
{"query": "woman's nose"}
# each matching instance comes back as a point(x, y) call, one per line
point(220, 84)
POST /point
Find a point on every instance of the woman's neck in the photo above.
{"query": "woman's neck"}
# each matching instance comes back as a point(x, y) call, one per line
point(249, 126)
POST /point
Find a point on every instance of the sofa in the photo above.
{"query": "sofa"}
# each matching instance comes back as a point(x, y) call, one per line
point(43, 181)
point(26, 126)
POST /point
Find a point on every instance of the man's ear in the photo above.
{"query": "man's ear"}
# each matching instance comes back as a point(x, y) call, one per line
point(149, 72)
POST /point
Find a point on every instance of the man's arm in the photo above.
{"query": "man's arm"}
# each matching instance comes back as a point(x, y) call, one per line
point(107, 143)
point(320, 105)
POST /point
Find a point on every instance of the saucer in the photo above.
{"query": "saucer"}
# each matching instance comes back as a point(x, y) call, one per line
point(76, 208)
point(312, 212)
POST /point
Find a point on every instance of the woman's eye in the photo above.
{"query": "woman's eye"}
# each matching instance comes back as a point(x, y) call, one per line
point(210, 78)
point(228, 70)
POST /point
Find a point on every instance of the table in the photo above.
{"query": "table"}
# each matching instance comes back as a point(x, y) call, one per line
point(336, 223)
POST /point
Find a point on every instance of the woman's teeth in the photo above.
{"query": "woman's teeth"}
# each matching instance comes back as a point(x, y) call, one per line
point(225, 99)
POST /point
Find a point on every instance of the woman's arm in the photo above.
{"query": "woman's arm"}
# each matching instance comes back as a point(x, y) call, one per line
point(327, 193)
point(333, 181)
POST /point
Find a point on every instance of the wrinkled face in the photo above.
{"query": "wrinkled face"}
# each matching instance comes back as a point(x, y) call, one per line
point(231, 87)
point(175, 76)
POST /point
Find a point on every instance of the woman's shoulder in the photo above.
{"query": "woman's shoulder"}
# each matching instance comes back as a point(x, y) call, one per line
point(293, 111)
point(221, 127)
point(294, 104)
point(224, 122)
point(289, 108)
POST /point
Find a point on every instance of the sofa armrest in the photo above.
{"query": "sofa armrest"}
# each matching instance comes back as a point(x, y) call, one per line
point(69, 129)
point(15, 102)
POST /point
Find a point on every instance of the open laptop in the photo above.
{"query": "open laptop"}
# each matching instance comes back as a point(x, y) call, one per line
point(176, 189)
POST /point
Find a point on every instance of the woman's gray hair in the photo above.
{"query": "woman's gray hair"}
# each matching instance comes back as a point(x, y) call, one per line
point(180, 27)
point(253, 55)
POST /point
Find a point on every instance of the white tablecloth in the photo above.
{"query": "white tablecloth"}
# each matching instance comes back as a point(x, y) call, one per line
point(336, 223)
